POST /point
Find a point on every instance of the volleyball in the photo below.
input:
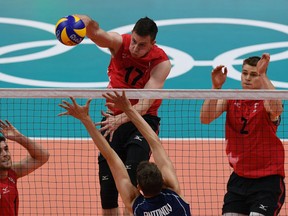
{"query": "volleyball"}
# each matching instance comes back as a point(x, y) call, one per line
point(70, 30)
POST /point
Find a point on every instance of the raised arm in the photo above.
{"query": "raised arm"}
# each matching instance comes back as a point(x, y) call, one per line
point(111, 40)
point(273, 107)
point(126, 189)
point(212, 109)
point(160, 156)
point(37, 154)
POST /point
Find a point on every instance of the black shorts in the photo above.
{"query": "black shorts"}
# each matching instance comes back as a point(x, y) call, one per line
point(264, 195)
point(132, 148)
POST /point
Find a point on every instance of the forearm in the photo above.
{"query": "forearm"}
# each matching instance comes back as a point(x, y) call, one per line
point(208, 111)
point(95, 33)
point(160, 156)
point(36, 151)
point(276, 106)
point(141, 107)
point(97, 137)
point(115, 164)
point(144, 128)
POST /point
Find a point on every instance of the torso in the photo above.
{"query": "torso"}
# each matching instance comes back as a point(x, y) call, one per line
point(126, 72)
point(253, 148)
point(9, 199)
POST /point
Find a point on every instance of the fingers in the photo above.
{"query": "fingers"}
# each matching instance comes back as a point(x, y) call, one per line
point(65, 105)
point(105, 114)
point(113, 97)
point(108, 96)
point(218, 68)
point(73, 101)
point(225, 71)
point(266, 55)
point(1, 123)
point(8, 123)
point(123, 94)
point(88, 102)
point(5, 124)
point(63, 113)
point(98, 123)
point(107, 132)
point(118, 95)
point(111, 136)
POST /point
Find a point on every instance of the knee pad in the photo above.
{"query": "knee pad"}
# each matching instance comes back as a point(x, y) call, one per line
point(108, 190)
point(131, 167)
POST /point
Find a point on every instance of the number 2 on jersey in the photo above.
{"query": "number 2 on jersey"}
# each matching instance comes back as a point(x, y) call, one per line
point(243, 131)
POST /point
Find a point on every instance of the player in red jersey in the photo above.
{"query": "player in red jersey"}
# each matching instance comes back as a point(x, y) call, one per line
point(138, 63)
point(255, 153)
point(158, 191)
point(10, 172)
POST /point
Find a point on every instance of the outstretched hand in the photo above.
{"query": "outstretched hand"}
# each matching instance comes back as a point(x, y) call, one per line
point(117, 101)
point(75, 110)
point(219, 75)
point(8, 130)
point(263, 63)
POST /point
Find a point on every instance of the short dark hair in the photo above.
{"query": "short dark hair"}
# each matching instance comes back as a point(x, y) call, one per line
point(149, 178)
point(2, 138)
point(146, 26)
point(252, 61)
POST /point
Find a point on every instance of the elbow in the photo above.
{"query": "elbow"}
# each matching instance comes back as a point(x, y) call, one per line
point(280, 110)
point(204, 119)
point(45, 158)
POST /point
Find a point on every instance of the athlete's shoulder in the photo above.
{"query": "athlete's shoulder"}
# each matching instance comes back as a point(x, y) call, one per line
point(126, 38)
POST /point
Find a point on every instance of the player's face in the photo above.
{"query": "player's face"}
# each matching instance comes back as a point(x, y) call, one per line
point(140, 46)
point(250, 78)
point(5, 157)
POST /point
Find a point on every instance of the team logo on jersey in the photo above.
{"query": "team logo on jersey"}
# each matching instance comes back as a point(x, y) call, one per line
point(11, 179)
point(5, 190)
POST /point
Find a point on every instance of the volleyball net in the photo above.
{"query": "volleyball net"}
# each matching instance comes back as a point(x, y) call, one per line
point(68, 183)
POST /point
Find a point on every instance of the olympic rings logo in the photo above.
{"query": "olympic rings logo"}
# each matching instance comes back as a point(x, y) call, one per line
point(182, 62)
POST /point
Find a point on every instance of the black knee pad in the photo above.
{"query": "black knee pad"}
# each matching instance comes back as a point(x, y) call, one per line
point(131, 167)
point(108, 190)
point(109, 196)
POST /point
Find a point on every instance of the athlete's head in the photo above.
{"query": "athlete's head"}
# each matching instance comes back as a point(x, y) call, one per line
point(143, 37)
point(250, 77)
point(5, 156)
point(149, 179)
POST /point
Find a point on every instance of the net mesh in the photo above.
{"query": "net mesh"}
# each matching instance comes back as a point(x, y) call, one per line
point(68, 183)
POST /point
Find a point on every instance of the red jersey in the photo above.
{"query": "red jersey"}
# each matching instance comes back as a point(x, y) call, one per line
point(124, 71)
point(9, 200)
point(252, 146)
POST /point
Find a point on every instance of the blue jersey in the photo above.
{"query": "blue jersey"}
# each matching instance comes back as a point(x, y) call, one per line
point(166, 203)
